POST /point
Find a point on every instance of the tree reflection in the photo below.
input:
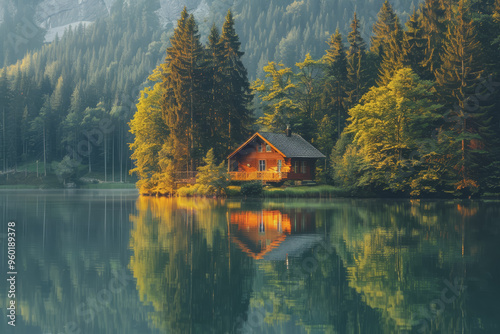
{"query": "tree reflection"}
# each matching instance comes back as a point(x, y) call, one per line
point(68, 246)
point(184, 265)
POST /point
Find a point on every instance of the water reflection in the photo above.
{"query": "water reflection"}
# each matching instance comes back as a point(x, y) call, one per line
point(185, 267)
point(68, 245)
point(271, 234)
point(219, 266)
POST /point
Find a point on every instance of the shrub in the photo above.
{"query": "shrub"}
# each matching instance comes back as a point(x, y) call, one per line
point(252, 189)
point(212, 178)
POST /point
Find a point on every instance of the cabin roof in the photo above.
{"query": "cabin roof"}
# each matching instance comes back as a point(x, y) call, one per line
point(291, 147)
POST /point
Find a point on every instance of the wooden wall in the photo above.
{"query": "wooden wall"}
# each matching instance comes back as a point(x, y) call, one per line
point(249, 156)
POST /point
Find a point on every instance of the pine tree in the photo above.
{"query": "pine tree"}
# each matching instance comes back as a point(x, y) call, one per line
point(433, 22)
point(181, 91)
point(5, 100)
point(356, 63)
point(387, 21)
point(392, 59)
point(306, 94)
point(414, 44)
point(280, 107)
point(236, 94)
point(336, 68)
point(467, 122)
point(216, 121)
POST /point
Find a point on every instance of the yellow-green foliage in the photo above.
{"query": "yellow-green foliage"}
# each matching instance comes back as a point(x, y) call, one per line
point(392, 144)
point(151, 150)
point(212, 179)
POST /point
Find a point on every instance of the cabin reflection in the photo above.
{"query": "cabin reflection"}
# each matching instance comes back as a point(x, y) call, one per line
point(272, 234)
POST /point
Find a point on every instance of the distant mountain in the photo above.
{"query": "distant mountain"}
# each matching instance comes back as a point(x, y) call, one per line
point(267, 28)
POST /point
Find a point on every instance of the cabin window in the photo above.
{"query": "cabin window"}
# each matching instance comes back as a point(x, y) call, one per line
point(259, 147)
point(262, 165)
point(268, 148)
point(279, 166)
point(296, 167)
point(303, 168)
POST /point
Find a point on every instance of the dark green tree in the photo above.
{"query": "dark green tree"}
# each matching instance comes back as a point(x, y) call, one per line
point(467, 122)
point(393, 57)
point(387, 21)
point(216, 121)
point(336, 82)
point(414, 44)
point(433, 22)
point(181, 102)
point(236, 91)
point(356, 64)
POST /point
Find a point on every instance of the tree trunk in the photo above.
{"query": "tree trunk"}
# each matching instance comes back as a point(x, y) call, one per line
point(105, 160)
point(44, 152)
point(113, 161)
point(3, 141)
point(121, 153)
point(90, 165)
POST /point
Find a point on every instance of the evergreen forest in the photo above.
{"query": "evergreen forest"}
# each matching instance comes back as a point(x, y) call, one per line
point(403, 100)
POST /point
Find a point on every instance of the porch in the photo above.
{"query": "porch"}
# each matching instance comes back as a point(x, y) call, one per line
point(263, 176)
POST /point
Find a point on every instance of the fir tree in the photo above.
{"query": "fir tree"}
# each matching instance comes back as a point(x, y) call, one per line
point(236, 94)
point(433, 22)
point(336, 68)
point(181, 91)
point(467, 122)
point(392, 59)
point(216, 122)
point(414, 44)
point(356, 63)
point(386, 23)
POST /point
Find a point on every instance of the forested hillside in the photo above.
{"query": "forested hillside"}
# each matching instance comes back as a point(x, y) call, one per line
point(413, 111)
point(60, 90)
point(55, 96)
point(407, 104)
point(285, 30)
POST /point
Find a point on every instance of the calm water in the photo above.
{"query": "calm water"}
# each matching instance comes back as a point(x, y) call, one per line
point(112, 262)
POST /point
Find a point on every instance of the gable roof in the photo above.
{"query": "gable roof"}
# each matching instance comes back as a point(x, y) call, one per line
point(290, 147)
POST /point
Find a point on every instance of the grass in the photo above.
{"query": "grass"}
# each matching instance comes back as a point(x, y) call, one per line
point(320, 191)
point(18, 186)
point(108, 185)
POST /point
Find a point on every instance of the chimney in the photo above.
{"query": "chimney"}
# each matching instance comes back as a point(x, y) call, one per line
point(288, 131)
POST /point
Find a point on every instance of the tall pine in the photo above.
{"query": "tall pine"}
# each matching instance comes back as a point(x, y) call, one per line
point(382, 29)
point(336, 64)
point(236, 91)
point(433, 22)
point(216, 127)
point(356, 63)
point(392, 59)
point(414, 44)
point(182, 95)
point(466, 123)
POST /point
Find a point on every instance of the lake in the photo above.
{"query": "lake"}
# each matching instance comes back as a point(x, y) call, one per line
point(109, 261)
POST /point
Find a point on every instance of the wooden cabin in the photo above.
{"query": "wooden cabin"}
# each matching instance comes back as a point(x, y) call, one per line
point(274, 157)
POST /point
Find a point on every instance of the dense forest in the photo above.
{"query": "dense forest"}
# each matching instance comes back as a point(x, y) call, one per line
point(405, 105)
point(103, 67)
point(55, 101)
point(414, 113)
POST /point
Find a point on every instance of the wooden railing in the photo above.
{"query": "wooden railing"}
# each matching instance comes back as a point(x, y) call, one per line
point(185, 177)
point(264, 176)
